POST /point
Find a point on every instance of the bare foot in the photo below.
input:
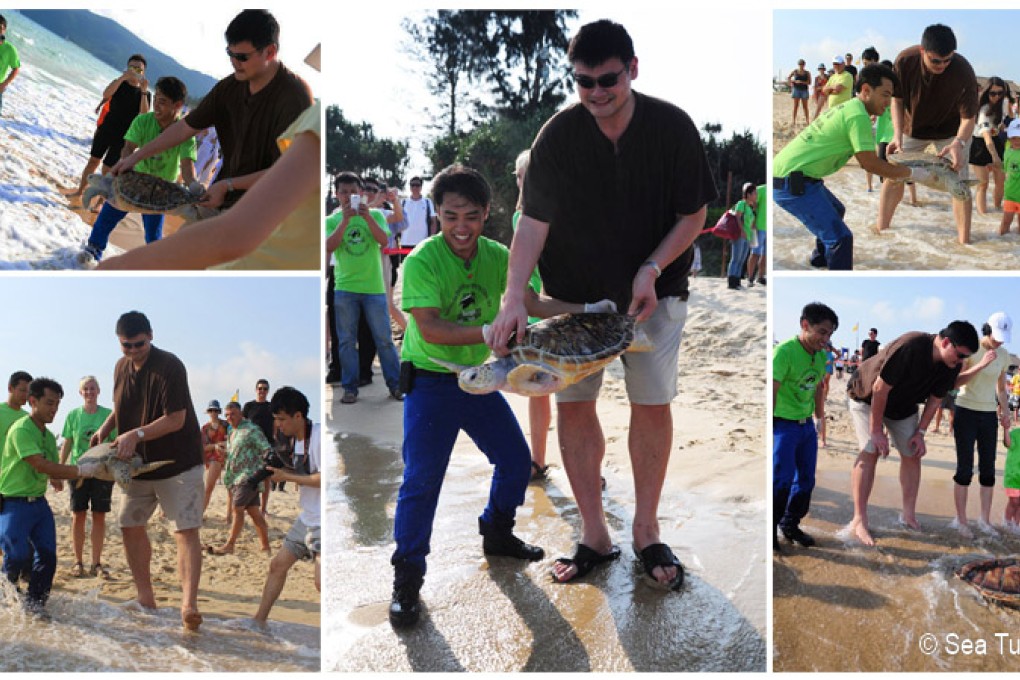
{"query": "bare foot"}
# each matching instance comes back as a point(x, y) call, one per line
point(225, 549)
point(191, 619)
point(961, 528)
point(860, 530)
point(70, 193)
point(910, 522)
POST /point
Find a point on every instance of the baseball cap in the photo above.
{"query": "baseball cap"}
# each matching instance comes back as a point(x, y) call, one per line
point(1002, 326)
point(821, 66)
point(1014, 128)
point(838, 59)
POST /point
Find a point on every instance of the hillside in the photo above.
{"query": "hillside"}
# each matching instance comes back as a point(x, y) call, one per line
point(112, 44)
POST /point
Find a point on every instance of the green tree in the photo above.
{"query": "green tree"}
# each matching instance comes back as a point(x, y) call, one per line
point(355, 147)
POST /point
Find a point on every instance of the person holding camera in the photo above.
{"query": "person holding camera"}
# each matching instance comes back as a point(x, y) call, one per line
point(302, 456)
point(247, 448)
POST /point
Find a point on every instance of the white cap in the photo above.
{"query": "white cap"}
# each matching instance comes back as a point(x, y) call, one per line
point(1014, 128)
point(838, 59)
point(1002, 326)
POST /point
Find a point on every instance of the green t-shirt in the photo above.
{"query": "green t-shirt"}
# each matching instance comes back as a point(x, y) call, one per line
point(845, 79)
point(1011, 472)
point(24, 439)
point(884, 131)
point(8, 60)
point(166, 164)
point(535, 282)
point(761, 223)
point(744, 208)
point(799, 375)
point(1011, 164)
point(79, 428)
point(435, 277)
point(8, 416)
point(828, 143)
point(358, 258)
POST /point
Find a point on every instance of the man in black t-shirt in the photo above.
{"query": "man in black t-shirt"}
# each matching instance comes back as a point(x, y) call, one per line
point(258, 412)
point(617, 184)
point(869, 347)
point(128, 97)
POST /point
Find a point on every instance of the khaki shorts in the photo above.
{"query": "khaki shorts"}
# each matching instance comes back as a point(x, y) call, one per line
point(304, 542)
point(920, 145)
point(651, 377)
point(181, 497)
point(899, 431)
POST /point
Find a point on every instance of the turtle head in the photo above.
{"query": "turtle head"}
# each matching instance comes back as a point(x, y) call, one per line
point(478, 379)
point(99, 185)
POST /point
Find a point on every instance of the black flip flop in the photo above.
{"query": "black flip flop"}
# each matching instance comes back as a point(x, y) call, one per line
point(538, 472)
point(586, 559)
point(661, 555)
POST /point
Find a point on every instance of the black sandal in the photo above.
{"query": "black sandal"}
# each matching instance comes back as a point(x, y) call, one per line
point(661, 555)
point(586, 559)
point(538, 472)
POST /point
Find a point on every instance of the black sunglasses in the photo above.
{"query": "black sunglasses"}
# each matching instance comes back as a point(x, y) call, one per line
point(605, 81)
point(133, 345)
point(241, 56)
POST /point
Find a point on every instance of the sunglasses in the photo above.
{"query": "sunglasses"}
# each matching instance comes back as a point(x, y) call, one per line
point(241, 56)
point(996, 93)
point(133, 345)
point(958, 352)
point(605, 81)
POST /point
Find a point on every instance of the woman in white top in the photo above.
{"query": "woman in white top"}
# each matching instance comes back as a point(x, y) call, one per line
point(987, 148)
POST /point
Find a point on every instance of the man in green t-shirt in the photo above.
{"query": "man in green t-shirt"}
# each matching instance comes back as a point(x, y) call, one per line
point(180, 159)
point(355, 237)
point(17, 396)
point(840, 85)
point(10, 66)
point(28, 535)
point(824, 147)
point(798, 368)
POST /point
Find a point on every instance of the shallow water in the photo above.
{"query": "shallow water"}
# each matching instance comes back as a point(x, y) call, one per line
point(87, 634)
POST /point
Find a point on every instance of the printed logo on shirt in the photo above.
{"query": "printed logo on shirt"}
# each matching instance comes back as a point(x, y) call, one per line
point(355, 240)
point(472, 301)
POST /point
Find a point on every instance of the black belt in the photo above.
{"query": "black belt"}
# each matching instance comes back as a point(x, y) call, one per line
point(802, 421)
point(23, 499)
point(433, 374)
point(780, 182)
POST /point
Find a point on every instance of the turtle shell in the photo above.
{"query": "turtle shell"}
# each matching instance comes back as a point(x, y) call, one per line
point(138, 192)
point(997, 579)
point(576, 343)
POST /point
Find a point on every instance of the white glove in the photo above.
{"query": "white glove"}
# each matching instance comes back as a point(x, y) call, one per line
point(919, 174)
point(196, 188)
point(88, 469)
point(600, 306)
point(486, 333)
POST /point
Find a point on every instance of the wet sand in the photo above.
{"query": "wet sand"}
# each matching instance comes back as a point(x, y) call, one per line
point(92, 630)
point(921, 237)
point(504, 616)
point(130, 232)
point(841, 606)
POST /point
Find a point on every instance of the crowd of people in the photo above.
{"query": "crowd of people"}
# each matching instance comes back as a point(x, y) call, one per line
point(929, 97)
point(957, 369)
point(466, 296)
point(152, 423)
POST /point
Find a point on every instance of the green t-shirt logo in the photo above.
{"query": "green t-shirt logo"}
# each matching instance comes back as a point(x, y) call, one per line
point(471, 298)
point(355, 242)
point(808, 382)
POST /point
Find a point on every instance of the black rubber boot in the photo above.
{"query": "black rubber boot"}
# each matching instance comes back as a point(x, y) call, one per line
point(405, 606)
point(795, 535)
point(733, 282)
point(499, 541)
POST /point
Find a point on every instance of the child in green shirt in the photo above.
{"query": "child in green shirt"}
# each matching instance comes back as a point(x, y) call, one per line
point(1011, 479)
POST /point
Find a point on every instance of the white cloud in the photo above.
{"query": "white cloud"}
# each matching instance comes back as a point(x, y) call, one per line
point(929, 309)
point(241, 367)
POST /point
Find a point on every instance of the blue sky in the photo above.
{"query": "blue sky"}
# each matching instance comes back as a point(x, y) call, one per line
point(894, 304)
point(982, 36)
point(229, 332)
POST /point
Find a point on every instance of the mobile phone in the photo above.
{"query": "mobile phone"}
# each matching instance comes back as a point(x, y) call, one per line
point(356, 201)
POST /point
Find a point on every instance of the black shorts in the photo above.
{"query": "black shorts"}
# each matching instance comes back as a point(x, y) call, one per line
point(243, 496)
point(108, 143)
point(979, 154)
point(91, 491)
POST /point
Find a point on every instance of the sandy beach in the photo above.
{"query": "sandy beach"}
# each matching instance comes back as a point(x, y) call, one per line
point(921, 237)
point(840, 606)
point(499, 615)
point(92, 630)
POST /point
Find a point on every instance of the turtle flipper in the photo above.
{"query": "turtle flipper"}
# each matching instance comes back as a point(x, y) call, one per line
point(533, 380)
point(99, 185)
point(641, 341)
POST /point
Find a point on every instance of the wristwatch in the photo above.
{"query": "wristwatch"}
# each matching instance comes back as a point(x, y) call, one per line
point(140, 433)
point(654, 265)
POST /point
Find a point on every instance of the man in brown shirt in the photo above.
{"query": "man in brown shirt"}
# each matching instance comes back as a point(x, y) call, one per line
point(883, 395)
point(249, 109)
point(154, 413)
point(937, 103)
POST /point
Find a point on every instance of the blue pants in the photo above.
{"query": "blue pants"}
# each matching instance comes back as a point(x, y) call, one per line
point(349, 307)
point(741, 248)
point(435, 411)
point(28, 538)
point(822, 213)
point(794, 456)
point(109, 217)
point(970, 428)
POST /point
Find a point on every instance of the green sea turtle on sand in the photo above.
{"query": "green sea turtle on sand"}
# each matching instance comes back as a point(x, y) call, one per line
point(997, 579)
point(114, 469)
point(555, 353)
point(943, 177)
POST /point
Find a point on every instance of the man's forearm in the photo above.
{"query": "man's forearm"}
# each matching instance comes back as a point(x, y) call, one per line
point(175, 134)
point(679, 238)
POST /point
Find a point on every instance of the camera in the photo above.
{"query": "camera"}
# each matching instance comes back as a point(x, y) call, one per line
point(276, 458)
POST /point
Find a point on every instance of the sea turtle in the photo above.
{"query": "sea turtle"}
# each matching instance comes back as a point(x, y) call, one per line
point(555, 353)
point(997, 579)
point(113, 469)
point(140, 193)
point(943, 177)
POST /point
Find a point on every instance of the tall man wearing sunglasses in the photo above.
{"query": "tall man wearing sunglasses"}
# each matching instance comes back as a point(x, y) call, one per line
point(617, 184)
point(249, 109)
point(154, 413)
point(936, 103)
point(883, 396)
